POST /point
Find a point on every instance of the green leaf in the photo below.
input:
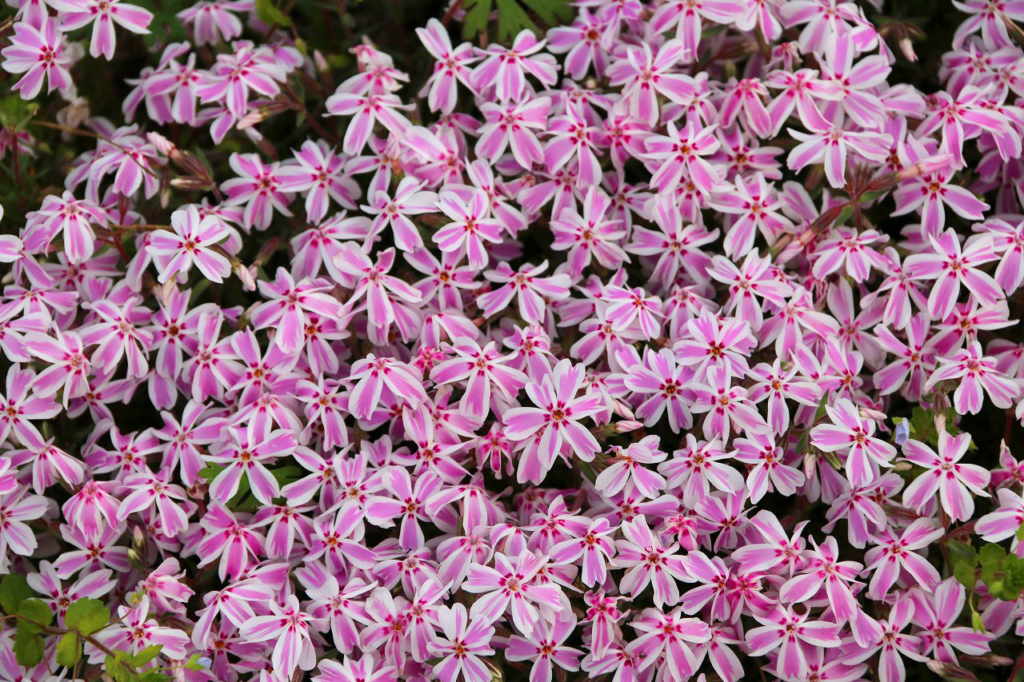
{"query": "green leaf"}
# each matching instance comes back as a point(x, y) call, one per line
point(36, 615)
point(211, 471)
point(550, 11)
point(69, 650)
point(28, 648)
point(288, 474)
point(269, 14)
point(965, 574)
point(154, 676)
point(193, 662)
point(513, 16)
point(962, 552)
point(15, 113)
point(820, 413)
point(1020, 532)
point(991, 554)
point(976, 622)
point(478, 13)
point(87, 616)
point(14, 589)
point(118, 670)
point(512, 19)
point(146, 655)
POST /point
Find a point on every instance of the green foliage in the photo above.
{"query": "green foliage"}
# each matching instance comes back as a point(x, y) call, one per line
point(922, 425)
point(28, 648)
point(35, 615)
point(69, 650)
point(146, 655)
point(14, 589)
point(269, 14)
point(15, 113)
point(513, 16)
point(28, 639)
point(87, 616)
point(1002, 573)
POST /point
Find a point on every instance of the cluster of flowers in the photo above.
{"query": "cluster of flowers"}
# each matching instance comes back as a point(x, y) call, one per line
point(556, 381)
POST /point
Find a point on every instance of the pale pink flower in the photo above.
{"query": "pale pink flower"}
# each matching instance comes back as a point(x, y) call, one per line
point(213, 20)
point(470, 226)
point(667, 636)
point(290, 305)
point(936, 615)
point(594, 235)
point(135, 632)
point(528, 285)
point(513, 586)
point(260, 186)
point(854, 435)
point(978, 375)
point(757, 207)
point(728, 407)
point(832, 146)
point(648, 562)
point(511, 126)
point(893, 554)
point(679, 248)
point(393, 211)
point(289, 625)
point(466, 638)
point(769, 471)
point(946, 475)
point(70, 216)
point(103, 14)
point(505, 69)
point(451, 67)
point(645, 74)
point(556, 417)
point(546, 648)
point(191, 243)
point(243, 68)
point(39, 52)
point(786, 630)
point(376, 289)
point(320, 173)
point(679, 156)
point(17, 509)
point(953, 265)
point(366, 111)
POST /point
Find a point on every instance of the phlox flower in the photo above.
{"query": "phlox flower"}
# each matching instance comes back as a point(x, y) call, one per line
point(528, 286)
point(978, 375)
point(668, 635)
point(556, 414)
point(40, 52)
point(466, 639)
point(512, 586)
point(648, 562)
point(645, 74)
point(936, 614)
point(853, 434)
point(135, 631)
point(191, 243)
point(786, 630)
point(944, 473)
point(102, 14)
point(546, 648)
point(504, 70)
point(17, 509)
point(290, 626)
point(893, 554)
point(213, 20)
